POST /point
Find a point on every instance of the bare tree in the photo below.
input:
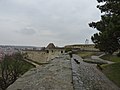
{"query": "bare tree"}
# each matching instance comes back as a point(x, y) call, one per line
point(11, 69)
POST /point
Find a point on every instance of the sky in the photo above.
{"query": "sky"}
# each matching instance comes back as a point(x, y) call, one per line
point(39, 22)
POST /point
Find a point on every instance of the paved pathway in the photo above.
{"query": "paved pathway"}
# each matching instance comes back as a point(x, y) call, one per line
point(98, 58)
point(87, 77)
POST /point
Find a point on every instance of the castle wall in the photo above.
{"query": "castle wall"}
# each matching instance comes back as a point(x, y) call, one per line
point(54, 53)
point(43, 56)
point(89, 47)
point(37, 56)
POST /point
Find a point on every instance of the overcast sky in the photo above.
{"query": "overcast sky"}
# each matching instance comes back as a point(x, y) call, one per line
point(39, 22)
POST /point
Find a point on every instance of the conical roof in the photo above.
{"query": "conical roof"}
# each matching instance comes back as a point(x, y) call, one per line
point(50, 46)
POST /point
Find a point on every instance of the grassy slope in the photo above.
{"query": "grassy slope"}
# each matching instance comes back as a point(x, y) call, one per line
point(112, 58)
point(112, 71)
point(26, 66)
point(86, 54)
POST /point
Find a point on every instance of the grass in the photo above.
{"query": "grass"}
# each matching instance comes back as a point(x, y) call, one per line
point(112, 71)
point(87, 54)
point(26, 66)
point(112, 58)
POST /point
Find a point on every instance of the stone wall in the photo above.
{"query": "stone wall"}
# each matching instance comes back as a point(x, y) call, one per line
point(43, 56)
point(54, 53)
point(56, 75)
point(89, 47)
point(37, 56)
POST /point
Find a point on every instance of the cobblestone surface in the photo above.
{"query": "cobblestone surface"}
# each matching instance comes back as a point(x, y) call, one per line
point(88, 77)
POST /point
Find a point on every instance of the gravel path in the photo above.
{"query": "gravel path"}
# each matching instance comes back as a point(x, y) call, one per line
point(87, 77)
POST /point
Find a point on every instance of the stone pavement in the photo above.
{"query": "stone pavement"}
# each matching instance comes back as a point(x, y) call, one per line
point(63, 73)
point(87, 77)
point(54, 76)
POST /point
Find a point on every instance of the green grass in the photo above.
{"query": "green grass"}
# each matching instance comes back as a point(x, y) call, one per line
point(112, 71)
point(112, 58)
point(26, 66)
point(87, 54)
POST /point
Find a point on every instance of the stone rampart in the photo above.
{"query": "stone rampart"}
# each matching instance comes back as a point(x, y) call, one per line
point(56, 75)
point(43, 56)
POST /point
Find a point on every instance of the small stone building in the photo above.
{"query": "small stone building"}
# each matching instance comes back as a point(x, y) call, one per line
point(43, 56)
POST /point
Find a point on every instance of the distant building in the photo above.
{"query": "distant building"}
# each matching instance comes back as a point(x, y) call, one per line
point(53, 49)
point(45, 54)
point(87, 47)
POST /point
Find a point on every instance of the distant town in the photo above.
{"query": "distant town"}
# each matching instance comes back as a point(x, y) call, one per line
point(10, 50)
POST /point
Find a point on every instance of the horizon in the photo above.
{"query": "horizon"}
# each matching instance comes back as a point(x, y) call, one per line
point(43, 46)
